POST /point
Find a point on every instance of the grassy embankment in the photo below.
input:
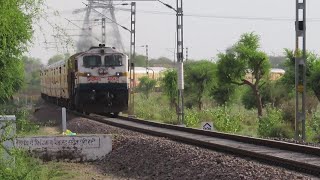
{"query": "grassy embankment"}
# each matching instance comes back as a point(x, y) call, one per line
point(232, 118)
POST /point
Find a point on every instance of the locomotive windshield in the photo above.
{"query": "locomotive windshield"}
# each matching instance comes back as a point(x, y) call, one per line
point(113, 60)
point(92, 61)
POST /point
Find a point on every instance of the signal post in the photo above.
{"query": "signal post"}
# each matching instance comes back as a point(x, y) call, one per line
point(300, 71)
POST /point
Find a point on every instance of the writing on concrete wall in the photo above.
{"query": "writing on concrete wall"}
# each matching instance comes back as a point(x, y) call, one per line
point(58, 142)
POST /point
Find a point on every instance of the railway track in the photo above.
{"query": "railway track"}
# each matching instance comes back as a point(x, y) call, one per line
point(296, 157)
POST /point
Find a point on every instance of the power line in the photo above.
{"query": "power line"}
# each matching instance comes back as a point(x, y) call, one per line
point(84, 30)
point(226, 17)
point(123, 27)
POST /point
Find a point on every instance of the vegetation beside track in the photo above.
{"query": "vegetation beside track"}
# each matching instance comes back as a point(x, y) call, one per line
point(229, 90)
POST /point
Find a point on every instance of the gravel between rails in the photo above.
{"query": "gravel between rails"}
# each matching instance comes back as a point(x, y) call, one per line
point(139, 156)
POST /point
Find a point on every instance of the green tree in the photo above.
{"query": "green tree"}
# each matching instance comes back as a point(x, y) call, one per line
point(146, 85)
point(161, 61)
point(222, 92)
point(15, 34)
point(245, 57)
point(31, 68)
point(312, 71)
point(170, 87)
point(199, 79)
point(58, 57)
point(315, 79)
point(140, 61)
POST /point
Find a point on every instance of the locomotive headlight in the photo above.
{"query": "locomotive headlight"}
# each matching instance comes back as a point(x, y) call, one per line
point(93, 95)
point(88, 74)
point(118, 73)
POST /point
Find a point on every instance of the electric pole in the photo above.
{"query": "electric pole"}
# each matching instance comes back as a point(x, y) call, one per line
point(147, 57)
point(180, 61)
point(300, 70)
point(132, 61)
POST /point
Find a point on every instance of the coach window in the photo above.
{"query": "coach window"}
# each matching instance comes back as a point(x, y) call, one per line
point(91, 61)
point(113, 60)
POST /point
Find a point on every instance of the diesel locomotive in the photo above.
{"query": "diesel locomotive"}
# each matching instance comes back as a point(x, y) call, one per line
point(94, 81)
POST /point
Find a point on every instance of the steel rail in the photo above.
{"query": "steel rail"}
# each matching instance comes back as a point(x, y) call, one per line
point(257, 141)
point(200, 138)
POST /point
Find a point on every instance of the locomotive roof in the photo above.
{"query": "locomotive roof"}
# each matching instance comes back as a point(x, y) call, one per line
point(56, 64)
point(92, 50)
point(98, 50)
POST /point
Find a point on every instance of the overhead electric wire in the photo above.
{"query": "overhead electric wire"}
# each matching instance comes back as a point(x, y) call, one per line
point(84, 30)
point(225, 17)
point(108, 18)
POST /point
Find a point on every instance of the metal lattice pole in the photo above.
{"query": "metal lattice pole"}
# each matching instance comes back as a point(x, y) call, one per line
point(116, 32)
point(300, 70)
point(180, 61)
point(113, 36)
point(132, 57)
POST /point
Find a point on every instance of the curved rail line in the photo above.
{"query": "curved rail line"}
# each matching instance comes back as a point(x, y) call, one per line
point(305, 159)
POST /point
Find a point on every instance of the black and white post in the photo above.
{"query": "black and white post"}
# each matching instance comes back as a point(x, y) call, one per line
point(300, 70)
point(132, 57)
point(180, 61)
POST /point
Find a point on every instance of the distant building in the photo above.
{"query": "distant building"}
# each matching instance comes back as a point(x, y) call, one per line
point(155, 73)
point(275, 74)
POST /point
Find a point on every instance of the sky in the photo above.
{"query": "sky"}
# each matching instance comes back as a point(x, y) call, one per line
point(210, 26)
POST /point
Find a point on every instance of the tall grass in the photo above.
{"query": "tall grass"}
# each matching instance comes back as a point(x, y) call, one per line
point(227, 119)
point(232, 118)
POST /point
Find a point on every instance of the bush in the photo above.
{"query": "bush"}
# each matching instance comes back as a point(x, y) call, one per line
point(226, 121)
point(23, 124)
point(272, 125)
point(248, 99)
point(168, 116)
point(313, 127)
point(271, 93)
point(191, 118)
point(146, 85)
point(282, 131)
point(288, 109)
point(25, 167)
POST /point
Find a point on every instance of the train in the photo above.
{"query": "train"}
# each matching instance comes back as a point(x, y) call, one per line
point(93, 81)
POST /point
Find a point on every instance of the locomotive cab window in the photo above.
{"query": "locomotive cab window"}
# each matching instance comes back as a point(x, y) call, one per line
point(113, 60)
point(91, 61)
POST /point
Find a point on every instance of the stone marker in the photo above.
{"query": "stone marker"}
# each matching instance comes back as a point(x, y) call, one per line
point(76, 148)
point(64, 119)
